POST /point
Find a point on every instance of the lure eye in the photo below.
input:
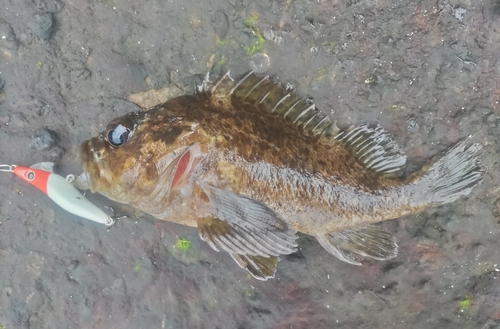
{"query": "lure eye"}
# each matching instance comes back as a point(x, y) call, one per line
point(118, 136)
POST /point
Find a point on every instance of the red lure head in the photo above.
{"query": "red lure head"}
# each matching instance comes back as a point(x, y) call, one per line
point(35, 177)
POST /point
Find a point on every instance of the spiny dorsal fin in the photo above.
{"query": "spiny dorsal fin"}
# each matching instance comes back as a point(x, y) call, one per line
point(375, 148)
point(264, 94)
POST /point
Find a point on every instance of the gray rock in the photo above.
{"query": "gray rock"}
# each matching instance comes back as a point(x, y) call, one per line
point(42, 25)
point(43, 140)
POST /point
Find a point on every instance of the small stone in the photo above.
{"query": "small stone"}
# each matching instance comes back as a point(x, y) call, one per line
point(268, 34)
point(479, 250)
point(43, 140)
point(459, 13)
point(260, 63)
point(56, 153)
point(412, 124)
point(491, 119)
point(42, 25)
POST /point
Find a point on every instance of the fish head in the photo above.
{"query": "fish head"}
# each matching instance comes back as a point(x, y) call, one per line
point(140, 158)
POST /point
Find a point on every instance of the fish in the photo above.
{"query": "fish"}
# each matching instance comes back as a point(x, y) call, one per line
point(250, 163)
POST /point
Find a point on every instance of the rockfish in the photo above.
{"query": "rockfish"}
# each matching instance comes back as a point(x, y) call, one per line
point(249, 164)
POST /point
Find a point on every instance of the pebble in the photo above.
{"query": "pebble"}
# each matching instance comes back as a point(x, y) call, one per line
point(43, 140)
point(41, 25)
point(270, 35)
point(56, 153)
point(459, 13)
point(412, 124)
point(479, 250)
point(7, 37)
point(260, 63)
point(491, 119)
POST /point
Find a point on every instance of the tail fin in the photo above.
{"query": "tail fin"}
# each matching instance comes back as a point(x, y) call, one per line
point(453, 175)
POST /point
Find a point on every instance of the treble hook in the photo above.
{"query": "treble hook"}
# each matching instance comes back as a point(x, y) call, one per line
point(7, 168)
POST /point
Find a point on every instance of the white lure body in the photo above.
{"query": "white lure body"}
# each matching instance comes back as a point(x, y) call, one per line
point(67, 196)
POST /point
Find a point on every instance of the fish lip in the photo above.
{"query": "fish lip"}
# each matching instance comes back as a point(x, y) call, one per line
point(88, 179)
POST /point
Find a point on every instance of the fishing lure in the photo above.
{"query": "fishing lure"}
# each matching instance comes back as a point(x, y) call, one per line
point(60, 190)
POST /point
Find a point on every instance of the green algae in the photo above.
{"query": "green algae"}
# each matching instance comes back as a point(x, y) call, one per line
point(183, 244)
point(465, 304)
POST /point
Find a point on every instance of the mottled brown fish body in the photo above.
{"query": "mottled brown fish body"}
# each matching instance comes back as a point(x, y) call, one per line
point(247, 161)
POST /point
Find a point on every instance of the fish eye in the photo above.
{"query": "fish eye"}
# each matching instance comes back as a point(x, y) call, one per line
point(117, 136)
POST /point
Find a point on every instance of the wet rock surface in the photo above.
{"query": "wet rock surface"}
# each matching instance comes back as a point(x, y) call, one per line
point(427, 71)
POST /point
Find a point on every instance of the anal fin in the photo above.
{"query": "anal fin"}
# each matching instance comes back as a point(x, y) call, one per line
point(369, 241)
point(259, 267)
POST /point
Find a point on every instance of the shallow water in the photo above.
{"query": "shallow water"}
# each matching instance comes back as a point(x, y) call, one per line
point(427, 71)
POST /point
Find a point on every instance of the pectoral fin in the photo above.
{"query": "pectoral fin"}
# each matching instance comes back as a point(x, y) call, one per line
point(259, 267)
point(368, 241)
point(241, 225)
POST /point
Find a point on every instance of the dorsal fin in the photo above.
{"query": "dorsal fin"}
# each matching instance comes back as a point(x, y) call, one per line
point(375, 148)
point(273, 98)
point(371, 144)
